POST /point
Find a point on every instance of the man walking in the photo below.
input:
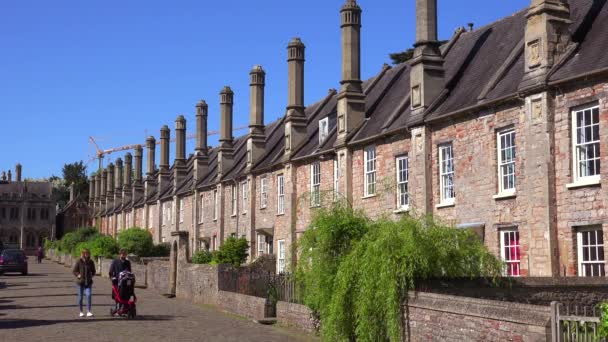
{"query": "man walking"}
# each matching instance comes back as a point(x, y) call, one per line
point(84, 270)
point(117, 266)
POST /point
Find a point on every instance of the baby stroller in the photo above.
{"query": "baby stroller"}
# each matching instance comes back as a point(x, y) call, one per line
point(122, 291)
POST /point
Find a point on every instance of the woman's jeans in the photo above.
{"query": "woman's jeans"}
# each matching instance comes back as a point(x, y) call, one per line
point(87, 293)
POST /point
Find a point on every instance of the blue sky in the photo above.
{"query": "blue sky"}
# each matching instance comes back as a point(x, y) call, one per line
point(115, 70)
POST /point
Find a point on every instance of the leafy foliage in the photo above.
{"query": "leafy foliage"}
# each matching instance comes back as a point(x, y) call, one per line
point(359, 272)
point(202, 257)
point(161, 250)
point(603, 328)
point(103, 246)
point(233, 251)
point(68, 243)
point(136, 240)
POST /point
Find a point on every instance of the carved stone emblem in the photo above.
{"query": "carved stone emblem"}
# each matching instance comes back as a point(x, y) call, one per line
point(537, 109)
point(534, 53)
point(419, 143)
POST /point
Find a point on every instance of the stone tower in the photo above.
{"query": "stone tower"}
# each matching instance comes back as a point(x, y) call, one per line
point(257, 135)
point(351, 100)
point(226, 151)
point(295, 121)
point(427, 74)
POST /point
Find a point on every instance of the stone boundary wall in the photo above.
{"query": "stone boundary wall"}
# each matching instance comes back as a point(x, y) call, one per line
point(157, 276)
point(240, 304)
point(295, 315)
point(436, 317)
point(526, 290)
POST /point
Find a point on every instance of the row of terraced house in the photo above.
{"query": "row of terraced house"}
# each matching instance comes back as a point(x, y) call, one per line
point(502, 129)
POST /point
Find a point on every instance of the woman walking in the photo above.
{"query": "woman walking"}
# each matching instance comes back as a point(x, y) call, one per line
point(84, 270)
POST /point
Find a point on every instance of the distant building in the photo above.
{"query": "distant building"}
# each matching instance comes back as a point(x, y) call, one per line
point(27, 212)
point(74, 215)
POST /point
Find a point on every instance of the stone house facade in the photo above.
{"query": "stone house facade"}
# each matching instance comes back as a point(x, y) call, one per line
point(502, 130)
point(27, 212)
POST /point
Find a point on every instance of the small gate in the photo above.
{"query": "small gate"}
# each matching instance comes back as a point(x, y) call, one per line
point(575, 323)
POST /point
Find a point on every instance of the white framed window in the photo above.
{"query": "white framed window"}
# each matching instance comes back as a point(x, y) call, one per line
point(263, 192)
point(281, 256)
point(315, 184)
point(510, 252)
point(233, 199)
point(215, 205)
point(336, 178)
point(586, 144)
point(214, 242)
point(506, 161)
point(261, 244)
point(164, 214)
point(181, 210)
point(590, 245)
point(370, 170)
point(245, 186)
point(403, 169)
point(280, 194)
point(202, 209)
point(446, 174)
point(323, 129)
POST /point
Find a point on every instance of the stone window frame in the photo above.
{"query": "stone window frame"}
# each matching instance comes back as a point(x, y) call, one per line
point(400, 195)
point(181, 210)
point(336, 177)
point(443, 200)
point(502, 191)
point(201, 216)
point(323, 129)
point(233, 199)
point(263, 192)
point(281, 256)
point(579, 231)
point(370, 168)
point(577, 179)
point(503, 245)
point(315, 184)
point(215, 204)
point(280, 194)
point(245, 190)
point(262, 248)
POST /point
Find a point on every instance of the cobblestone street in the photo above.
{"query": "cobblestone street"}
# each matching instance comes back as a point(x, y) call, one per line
point(42, 307)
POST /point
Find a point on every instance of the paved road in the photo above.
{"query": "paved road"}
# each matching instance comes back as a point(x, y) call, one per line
point(42, 307)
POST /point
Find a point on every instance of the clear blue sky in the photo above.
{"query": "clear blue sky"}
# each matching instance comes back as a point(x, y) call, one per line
point(116, 69)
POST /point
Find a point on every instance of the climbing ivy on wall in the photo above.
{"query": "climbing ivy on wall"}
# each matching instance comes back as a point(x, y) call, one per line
point(357, 272)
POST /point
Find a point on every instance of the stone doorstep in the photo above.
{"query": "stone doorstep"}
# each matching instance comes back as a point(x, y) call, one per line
point(266, 321)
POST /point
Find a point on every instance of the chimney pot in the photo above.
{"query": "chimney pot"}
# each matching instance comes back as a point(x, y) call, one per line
point(470, 25)
point(18, 172)
point(201, 127)
point(164, 148)
point(151, 146)
point(180, 140)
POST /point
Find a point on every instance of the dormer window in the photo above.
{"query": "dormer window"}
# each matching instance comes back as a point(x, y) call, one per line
point(323, 129)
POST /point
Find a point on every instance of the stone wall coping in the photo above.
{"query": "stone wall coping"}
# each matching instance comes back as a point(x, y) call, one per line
point(521, 282)
point(483, 308)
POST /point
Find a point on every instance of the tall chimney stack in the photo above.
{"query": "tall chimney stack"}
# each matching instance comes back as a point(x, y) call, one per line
point(201, 164)
point(226, 151)
point(91, 190)
point(295, 124)
point(256, 142)
point(202, 113)
point(164, 149)
point(18, 172)
point(546, 39)
point(179, 166)
point(98, 187)
point(119, 177)
point(10, 176)
point(427, 73)
point(110, 183)
point(128, 171)
point(351, 100)
point(138, 164)
point(180, 140)
point(103, 186)
point(150, 165)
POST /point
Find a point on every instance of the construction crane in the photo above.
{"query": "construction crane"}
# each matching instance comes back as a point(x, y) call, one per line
point(100, 154)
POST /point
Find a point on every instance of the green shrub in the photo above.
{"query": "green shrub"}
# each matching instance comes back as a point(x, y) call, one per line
point(161, 250)
point(79, 247)
point(603, 331)
point(136, 240)
point(202, 257)
point(233, 251)
point(103, 246)
point(68, 242)
point(359, 272)
point(48, 244)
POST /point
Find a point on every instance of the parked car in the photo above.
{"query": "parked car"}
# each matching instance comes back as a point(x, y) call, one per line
point(13, 260)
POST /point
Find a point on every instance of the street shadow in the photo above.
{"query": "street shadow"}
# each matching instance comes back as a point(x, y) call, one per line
point(5, 285)
point(4, 301)
point(27, 323)
point(21, 307)
point(29, 275)
point(40, 288)
point(43, 295)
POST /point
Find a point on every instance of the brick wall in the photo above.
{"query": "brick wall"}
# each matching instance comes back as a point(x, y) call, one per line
point(210, 227)
point(304, 209)
point(434, 317)
point(578, 207)
point(295, 315)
